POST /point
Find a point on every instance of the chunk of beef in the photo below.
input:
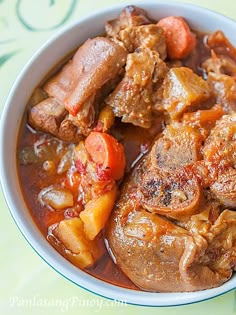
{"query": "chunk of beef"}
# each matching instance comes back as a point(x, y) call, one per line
point(38, 96)
point(221, 239)
point(51, 117)
point(85, 117)
point(201, 222)
point(132, 98)
point(220, 146)
point(150, 36)
point(173, 258)
point(175, 195)
point(96, 62)
point(168, 184)
point(130, 16)
point(59, 85)
point(184, 91)
point(221, 45)
point(68, 131)
point(147, 248)
point(79, 88)
point(221, 72)
point(224, 89)
point(166, 213)
point(219, 65)
point(224, 188)
point(219, 152)
point(47, 115)
point(179, 146)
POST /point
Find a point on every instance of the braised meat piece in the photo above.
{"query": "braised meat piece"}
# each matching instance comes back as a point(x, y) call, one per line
point(148, 248)
point(184, 91)
point(221, 45)
point(150, 36)
point(68, 131)
point(180, 145)
point(149, 171)
point(85, 117)
point(96, 62)
point(134, 29)
point(224, 188)
point(224, 89)
point(220, 254)
point(221, 72)
point(166, 185)
point(47, 115)
point(158, 255)
point(59, 85)
point(174, 195)
point(219, 152)
point(79, 89)
point(132, 98)
point(51, 117)
point(166, 213)
point(219, 65)
point(130, 16)
point(220, 146)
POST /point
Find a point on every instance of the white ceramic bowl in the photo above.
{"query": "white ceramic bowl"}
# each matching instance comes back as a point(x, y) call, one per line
point(50, 53)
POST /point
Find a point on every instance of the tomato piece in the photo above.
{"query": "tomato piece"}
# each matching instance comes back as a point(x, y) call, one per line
point(107, 152)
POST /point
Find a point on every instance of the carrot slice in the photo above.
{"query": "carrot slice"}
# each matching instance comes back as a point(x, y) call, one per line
point(180, 41)
point(107, 152)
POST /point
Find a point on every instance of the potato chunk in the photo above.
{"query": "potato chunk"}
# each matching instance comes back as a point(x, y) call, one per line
point(183, 89)
point(97, 212)
point(81, 250)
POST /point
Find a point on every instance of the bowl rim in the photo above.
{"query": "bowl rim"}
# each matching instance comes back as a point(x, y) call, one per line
point(34, 237)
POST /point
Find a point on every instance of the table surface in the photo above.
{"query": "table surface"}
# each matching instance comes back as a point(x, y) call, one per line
point(27, 284)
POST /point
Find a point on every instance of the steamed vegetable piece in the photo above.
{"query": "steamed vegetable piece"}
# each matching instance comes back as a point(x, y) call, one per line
point(180, 41)
point(97, 212)
point(71, 234)
point(56, 198)
point(107, 152)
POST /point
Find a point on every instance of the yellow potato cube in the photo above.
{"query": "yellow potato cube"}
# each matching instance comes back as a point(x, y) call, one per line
point(97, 212)
point(71, 234)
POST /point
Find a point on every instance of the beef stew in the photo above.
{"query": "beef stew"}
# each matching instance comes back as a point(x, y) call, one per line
point(126, 157)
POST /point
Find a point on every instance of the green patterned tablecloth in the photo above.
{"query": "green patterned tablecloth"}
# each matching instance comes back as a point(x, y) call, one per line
point(27, 284)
